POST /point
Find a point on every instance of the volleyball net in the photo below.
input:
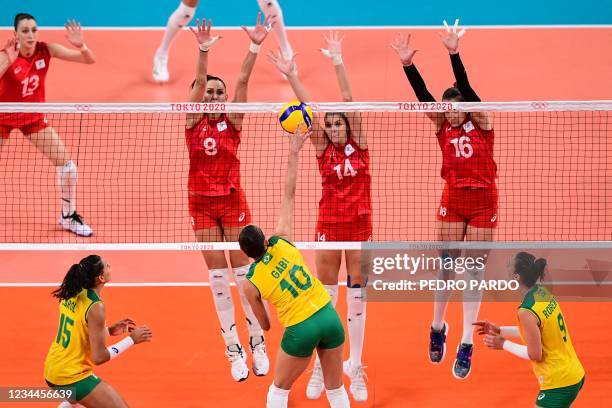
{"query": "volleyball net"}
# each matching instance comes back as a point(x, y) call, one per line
point(554, 172)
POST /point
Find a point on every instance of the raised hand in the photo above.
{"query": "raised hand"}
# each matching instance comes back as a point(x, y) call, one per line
point(401, 45)
point(298, 138)
point(261, 30)
point(451, 37)
point(74, 35)
point(284, 65)
point(122, 326)
point(334, 47)
point(202, 34)
point(11, 49)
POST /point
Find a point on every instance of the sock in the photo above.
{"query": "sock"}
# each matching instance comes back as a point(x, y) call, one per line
point(471, 305)
point(224, 305)
point(356, 318)
point(67, 177)
point(338, 398)
point(277, 397)
point(333, 292)
point(272, 7)
point(255, 329)
point(179, 18)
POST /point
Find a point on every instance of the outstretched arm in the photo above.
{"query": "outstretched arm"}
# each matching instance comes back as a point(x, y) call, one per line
point(285, 221)
point(450, 39)
point(334, 52)
point(287, 67)
point(74, 35)
point(257, 35)
point(205, 40)
point(401, 45)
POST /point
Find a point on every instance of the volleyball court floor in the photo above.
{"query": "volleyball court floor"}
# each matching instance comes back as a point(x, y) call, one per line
point(185, 366)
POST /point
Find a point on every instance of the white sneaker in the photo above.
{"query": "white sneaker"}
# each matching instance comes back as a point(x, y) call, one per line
point(160, 68)
point(75, 223)
point(315, 384)
point(261, 363)
point(358, 377)
point(235, 355)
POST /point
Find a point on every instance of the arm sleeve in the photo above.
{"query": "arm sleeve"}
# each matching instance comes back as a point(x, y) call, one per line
point(418, 85)
point(462, 80)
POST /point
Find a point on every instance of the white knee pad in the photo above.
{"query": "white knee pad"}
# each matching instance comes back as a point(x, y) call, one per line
point(220, 287)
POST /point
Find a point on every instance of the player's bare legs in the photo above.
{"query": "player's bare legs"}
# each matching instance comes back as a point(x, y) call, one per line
point(103, 396)
point(177, 20)
point(240, 266)
point(48, 142)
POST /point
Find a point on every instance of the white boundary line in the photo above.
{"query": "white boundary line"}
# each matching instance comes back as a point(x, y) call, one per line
point(207, 284)
point(348, 27)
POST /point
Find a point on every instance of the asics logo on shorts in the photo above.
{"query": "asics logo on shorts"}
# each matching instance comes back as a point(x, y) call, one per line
point(241, 217)
point(541, 396)
point(443, 211)
point(494, 218)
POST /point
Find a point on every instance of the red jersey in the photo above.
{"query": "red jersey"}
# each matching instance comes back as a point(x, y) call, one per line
point(24, 81)
point(467, 155)
point(214, 168)
point(345, 174)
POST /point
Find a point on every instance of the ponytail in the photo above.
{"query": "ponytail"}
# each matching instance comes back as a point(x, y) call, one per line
point(80, 276)
point(530, 269)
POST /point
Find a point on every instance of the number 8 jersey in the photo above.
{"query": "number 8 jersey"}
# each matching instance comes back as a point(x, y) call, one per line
point(467, 155)
point(214, 168)
point(282, 278)
point(68, 360)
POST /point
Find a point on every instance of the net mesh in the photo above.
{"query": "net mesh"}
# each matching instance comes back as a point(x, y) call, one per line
point(554, 165)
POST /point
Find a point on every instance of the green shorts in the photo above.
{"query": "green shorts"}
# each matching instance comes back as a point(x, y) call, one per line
point(80, 388)
point(321, 330)
point(559, 397)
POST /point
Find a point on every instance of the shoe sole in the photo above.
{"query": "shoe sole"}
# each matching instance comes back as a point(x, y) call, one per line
point(243, 379)
point(443, 347)
point(453, 370)
point(75, 233)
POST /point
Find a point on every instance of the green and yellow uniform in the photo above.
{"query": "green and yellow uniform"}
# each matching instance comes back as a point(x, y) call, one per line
point(68, 362)
point(302, 303)
point(560, 373)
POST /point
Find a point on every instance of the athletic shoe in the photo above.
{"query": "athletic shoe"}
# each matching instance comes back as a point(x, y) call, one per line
point(463, 362)
point(437, 344)
point(315, 384)
point(75, 223)
point(160, 68)
point(358, 377)
point(235, 355)
point(261, 363)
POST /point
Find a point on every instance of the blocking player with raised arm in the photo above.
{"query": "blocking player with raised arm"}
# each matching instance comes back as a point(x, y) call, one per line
point(468, 208)
point(183, 15)
point(345, 208)
point(544, 330)
point(81, 336)
point(24, 63)
point(217, 202)
point(280, 276)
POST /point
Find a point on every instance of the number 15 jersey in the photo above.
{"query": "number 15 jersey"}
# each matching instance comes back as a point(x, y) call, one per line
point(282, 278)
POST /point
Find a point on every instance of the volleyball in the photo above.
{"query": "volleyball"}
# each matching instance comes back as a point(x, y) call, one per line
point(294, 114)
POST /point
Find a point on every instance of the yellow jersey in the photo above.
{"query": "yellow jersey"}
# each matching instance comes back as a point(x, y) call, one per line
point(560, 366)
point(68, 360)
point(282, 278)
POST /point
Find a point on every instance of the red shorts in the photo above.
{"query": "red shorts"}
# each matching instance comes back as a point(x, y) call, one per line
point(475, 206)
point(222, 211)
point(356, 230)
point(26, 128)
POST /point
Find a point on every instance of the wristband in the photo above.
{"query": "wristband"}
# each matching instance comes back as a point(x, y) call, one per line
point(518, 350)
point(509, 331)
point(120, 347)
point(337, 60)
point(203, 48)
point(254, 48)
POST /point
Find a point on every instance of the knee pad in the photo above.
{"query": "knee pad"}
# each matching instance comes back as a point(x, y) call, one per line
point(355, 301)
point(220, 287)
point(68, 171)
